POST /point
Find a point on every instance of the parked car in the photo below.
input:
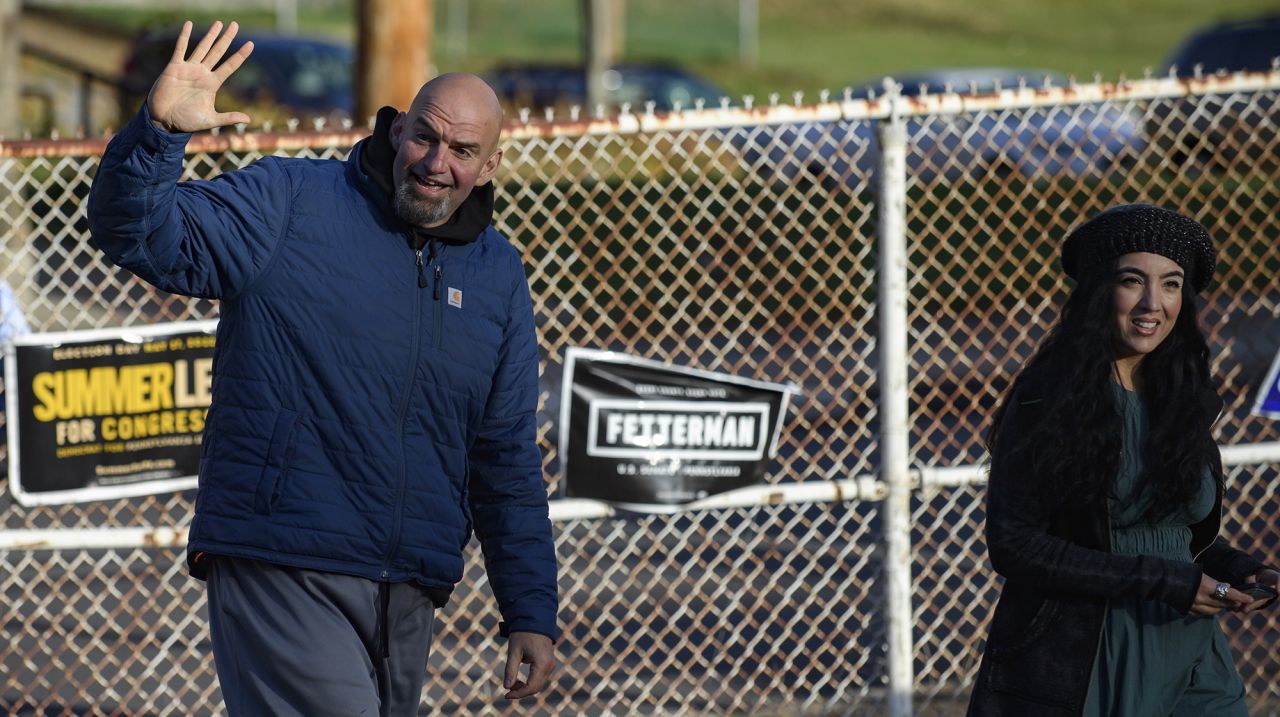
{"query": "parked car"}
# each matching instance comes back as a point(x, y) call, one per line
point(537, 86)
point(285, 76)
point(1036, 144)
point(1241, 46)
point(1219, 131)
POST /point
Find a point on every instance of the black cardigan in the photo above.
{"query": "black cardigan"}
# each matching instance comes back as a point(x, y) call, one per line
point(1059, 572)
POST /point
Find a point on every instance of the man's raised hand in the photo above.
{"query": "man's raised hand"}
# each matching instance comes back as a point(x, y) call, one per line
point(182, 98)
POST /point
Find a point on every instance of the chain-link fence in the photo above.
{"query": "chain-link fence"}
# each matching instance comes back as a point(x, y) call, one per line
point(736, 240)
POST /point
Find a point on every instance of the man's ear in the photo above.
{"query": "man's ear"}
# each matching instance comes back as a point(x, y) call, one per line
point(397, 126)
point(490, 169)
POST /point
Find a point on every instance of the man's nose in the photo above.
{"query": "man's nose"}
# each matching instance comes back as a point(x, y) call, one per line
point(433, 160)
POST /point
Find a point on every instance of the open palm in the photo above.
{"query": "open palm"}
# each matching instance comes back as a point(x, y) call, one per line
point(182, 98)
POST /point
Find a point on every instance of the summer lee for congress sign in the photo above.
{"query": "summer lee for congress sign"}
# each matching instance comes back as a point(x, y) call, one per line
point(107, 413)
point(648, 436)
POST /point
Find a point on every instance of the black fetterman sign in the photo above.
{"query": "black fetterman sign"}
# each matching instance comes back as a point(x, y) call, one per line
point(648, 436)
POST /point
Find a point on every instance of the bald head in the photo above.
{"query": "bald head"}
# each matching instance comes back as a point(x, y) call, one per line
point(463, 93)
point(446, 145)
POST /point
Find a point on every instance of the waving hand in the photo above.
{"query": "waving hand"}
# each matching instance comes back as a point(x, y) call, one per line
point(182, 98)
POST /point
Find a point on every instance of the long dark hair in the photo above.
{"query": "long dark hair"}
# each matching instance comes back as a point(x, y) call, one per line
point(1075, 443)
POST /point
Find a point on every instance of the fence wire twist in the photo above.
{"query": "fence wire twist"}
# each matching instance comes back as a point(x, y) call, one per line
point(746, 248)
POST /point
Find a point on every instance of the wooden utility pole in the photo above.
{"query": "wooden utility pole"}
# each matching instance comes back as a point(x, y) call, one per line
point(603, 31)
point(393, 53)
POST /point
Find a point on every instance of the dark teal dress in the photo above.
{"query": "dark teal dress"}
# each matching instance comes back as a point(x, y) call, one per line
point(1152, 660)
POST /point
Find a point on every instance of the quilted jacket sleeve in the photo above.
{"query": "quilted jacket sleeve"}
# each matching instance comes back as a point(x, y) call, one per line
point(1023, 547)
point(508, 498)
point(198, 238)
point(1224, 562)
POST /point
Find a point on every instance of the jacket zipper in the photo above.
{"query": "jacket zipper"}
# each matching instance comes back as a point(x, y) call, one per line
point(398, 518)
point(1218, 487)
point(437, 269)
point(1106, 604)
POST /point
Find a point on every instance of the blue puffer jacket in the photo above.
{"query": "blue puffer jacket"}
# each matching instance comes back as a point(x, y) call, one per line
point(370, 403)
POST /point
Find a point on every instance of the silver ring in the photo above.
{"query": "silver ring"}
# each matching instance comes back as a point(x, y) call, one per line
point(1220, 592)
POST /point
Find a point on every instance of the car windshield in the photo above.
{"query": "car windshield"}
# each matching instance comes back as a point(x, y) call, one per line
point(300, 75)
point(665, 91)
point(555, 86)
point(308, 76)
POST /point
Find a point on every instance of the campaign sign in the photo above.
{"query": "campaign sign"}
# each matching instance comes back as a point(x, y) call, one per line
point(648, 436)
point(1268, 401)
point(111, 413)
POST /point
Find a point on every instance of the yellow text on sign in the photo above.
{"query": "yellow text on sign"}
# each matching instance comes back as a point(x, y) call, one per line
point(110, 390)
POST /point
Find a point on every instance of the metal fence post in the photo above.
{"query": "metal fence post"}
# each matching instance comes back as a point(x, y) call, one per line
point(894, 426)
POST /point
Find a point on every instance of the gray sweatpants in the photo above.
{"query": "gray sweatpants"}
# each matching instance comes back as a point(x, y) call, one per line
point(293, 642)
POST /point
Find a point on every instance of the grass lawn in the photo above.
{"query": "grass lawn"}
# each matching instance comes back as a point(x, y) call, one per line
point(806, 45)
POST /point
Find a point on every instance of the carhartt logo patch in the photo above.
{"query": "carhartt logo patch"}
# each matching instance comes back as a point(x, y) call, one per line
point(455, 297)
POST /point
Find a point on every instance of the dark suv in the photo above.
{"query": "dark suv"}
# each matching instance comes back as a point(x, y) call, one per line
point(1244, 46)
point(284, 77)
point(1221, 131)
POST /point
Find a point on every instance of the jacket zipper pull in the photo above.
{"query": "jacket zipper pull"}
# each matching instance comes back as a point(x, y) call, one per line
point(435, 292)
point(422, 278)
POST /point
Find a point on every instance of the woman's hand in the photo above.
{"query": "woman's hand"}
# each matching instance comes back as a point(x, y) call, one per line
point(1267, 577)
point(1208, 603)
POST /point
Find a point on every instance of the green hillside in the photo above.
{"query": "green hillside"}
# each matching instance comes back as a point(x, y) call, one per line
point(808, 45)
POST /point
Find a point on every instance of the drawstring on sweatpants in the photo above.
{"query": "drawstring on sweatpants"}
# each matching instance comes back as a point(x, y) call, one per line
point(384, 607)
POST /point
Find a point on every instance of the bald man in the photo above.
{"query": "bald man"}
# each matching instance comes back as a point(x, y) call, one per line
point(374, 389)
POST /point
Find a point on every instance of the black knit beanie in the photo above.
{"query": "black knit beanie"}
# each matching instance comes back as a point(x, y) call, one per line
point(1141, 227)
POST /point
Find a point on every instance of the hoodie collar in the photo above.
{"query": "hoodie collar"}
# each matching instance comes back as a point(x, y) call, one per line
point(377, 160)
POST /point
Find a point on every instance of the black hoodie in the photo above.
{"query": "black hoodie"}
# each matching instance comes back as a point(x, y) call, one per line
point(377, 160)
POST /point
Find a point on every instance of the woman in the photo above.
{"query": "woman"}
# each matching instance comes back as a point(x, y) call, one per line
point(1105, 494)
